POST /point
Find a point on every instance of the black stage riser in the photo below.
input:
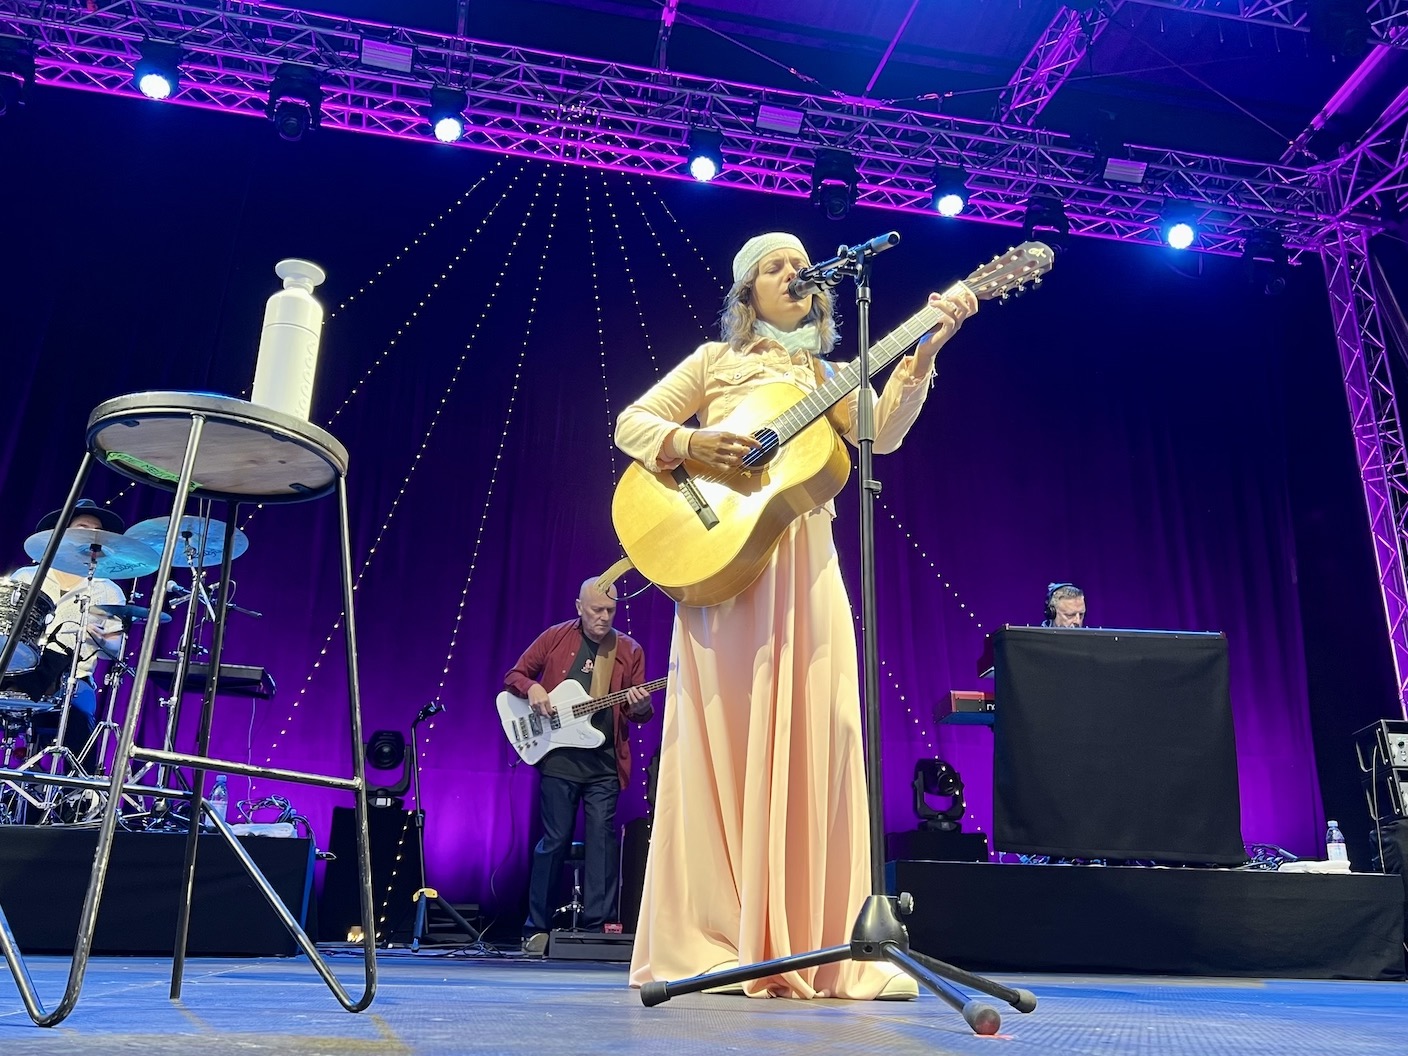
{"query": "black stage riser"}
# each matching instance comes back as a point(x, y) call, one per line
point(44, 874)
point(1208, 922)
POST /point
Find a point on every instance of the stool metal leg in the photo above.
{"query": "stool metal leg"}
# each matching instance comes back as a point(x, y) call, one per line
point(359, 762)
point(128, 751)
point(207, 715)
point(13, 958)
point(88, 917)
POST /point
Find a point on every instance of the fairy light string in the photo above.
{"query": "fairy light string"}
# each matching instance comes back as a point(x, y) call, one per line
point(638, 209)
point(504, 427)
point(424, 232)
point(417, 460)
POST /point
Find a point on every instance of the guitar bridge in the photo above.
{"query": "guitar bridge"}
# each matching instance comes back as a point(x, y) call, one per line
point(692, 495)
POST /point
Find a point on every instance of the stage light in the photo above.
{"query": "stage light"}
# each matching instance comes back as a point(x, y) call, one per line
point(1046, 214)
point(834, 183)
point(447, 113)
point(295, 100)
point(778, 119)
point(1266, 261)
point(157, 73)
point(935, 777)
point(16, 72)
point(705, 158)
point(1178, 224)
point(1122, 170)
point(949, 192)
point(387, 751)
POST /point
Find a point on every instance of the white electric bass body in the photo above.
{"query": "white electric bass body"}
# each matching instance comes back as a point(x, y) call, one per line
point(570, 724)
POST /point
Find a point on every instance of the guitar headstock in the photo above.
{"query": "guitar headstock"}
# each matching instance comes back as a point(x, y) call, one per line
point(1011, 271)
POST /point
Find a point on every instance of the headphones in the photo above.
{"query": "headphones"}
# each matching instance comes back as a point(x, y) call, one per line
point(1051, 589)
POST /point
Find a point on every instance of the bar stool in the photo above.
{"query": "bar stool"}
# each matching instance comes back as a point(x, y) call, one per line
point(576, 857)
point(217, 449)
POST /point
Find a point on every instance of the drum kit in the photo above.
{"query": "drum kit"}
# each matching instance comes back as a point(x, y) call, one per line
point(59, 644)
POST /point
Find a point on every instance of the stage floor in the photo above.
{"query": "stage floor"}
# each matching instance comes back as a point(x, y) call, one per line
point(443, 1002)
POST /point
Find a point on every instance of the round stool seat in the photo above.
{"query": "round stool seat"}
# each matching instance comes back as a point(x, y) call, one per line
point(577, 852)
point(248, 453)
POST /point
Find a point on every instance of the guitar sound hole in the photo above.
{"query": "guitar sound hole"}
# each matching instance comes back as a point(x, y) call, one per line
point(761, 456)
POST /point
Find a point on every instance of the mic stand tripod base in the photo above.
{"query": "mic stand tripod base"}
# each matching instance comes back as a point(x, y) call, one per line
point(425, 895)
point(878, 935)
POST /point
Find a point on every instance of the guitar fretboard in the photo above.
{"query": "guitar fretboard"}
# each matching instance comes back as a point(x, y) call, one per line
point(587, 707)
point(847, 378)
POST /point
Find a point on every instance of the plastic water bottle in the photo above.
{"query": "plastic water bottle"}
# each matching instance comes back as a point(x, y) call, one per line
point(1335, 849)
point(220, 797)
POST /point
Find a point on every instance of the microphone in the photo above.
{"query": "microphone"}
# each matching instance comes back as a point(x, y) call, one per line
point(433, 708)
point(177, 595)
point(799, 288)
point(816, 277)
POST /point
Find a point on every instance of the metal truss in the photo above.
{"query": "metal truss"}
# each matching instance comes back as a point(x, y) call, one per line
point(1378, 430)
point(1060, 48)
point(607, 115)
point(1065, 42)
point(1387, 18)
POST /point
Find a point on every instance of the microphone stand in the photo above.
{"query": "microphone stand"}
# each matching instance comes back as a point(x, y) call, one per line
point(423, 893)
point(877, 934)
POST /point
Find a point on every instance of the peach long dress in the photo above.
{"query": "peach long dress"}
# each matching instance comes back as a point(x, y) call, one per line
point(760, 842)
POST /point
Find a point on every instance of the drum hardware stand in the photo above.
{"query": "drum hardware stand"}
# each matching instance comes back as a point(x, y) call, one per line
point(877, 933)
point(161, 815)
point(59, 750)
point(12, 798)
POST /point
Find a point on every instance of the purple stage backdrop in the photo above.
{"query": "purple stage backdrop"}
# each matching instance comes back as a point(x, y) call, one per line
point(1124, 428)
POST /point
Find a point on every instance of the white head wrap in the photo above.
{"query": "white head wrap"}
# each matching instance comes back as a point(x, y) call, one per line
point(758, 247)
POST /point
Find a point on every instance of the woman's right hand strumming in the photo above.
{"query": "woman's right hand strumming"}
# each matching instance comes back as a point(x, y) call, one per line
point(719, 448)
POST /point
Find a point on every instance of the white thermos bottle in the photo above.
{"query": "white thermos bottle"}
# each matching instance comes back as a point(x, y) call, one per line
point(288, 347)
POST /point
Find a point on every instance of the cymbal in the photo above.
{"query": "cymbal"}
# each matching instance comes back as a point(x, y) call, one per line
point(112, 556)
point(130, 612)
point(153, 533)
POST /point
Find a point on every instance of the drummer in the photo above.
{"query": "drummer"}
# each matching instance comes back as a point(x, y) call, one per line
point(102, 638)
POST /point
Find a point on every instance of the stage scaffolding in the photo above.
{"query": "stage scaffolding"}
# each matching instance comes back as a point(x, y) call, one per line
point(377, 78)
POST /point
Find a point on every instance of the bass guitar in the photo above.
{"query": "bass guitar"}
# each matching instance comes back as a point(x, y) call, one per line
point(570, 724)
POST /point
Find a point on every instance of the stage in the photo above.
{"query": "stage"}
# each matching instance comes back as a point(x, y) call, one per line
point(1175, 921)
point(443, 1003)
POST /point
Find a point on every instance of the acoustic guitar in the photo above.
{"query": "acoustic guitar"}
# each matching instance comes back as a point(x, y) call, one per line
point(703, 535)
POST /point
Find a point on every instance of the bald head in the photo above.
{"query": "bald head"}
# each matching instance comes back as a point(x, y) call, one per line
point(597, 609)
point(590, 589)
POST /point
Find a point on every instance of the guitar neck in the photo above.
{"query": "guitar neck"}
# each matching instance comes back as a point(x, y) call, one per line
point(847, 379)
point(589, 707)
point(1002, 275)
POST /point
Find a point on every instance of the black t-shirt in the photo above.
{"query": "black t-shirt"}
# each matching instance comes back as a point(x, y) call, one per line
point(585, 764)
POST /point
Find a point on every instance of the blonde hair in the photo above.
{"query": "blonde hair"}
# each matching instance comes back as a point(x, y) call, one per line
point(738, 319)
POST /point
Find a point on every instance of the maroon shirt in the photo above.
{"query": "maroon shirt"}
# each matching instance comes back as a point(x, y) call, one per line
point(548, 661)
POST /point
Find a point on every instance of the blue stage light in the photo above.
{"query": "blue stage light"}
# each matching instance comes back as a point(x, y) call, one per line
point(447, 107)
point(705, 157)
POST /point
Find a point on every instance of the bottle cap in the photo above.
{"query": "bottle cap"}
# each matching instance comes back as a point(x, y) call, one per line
point(300, 274)
point(1334, 824)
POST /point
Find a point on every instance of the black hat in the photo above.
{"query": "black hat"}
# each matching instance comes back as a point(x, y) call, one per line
point(110, 521)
